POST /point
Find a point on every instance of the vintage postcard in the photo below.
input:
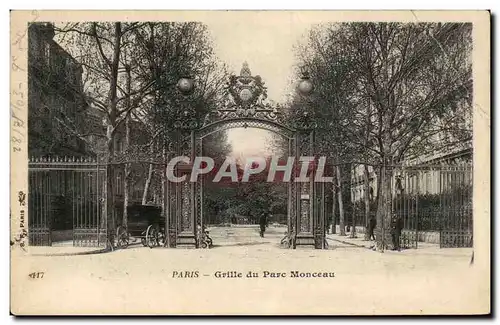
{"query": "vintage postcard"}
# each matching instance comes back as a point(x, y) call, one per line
point(250, 163)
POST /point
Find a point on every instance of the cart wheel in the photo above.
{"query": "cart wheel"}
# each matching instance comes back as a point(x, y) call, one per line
point(122, 237)
point(151, 237)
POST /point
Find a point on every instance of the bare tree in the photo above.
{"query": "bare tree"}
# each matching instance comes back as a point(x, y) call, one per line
point(416, 79)
point(98, 47)
point(130, 73)
point(170, 51)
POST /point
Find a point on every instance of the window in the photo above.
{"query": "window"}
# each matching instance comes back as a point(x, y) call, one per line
point(118, 183)
point(68, 69)
point(47, 52)
point(118, 146)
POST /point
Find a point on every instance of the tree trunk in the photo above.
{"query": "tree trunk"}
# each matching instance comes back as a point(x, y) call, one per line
point(366, 182)
point(126, 178)
point(379, 185)
point(366, 178)
point(384, 210)
point(110, 133)
point(341, 205)
point(126, 193)
point(110, 197)
point(352, 210)
point(148, 184)
point(353, 223)
point(334, 206)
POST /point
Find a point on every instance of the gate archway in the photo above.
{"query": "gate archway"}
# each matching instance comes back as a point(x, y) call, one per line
point(245, 106)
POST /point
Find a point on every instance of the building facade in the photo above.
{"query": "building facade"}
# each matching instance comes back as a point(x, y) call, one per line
point(67, 138)
point(56, 107)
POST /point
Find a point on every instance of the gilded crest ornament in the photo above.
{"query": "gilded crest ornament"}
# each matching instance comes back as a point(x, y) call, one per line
point(245, 70)
point(246, 97)
point(246, 90)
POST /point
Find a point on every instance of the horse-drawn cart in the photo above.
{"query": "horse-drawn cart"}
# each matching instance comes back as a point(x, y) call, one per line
point(144, 222)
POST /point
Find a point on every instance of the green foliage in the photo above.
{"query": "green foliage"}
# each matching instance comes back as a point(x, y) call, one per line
point(224, 200)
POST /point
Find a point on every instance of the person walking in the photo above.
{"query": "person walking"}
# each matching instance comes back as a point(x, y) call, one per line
point(372, 223)
point(262, 223)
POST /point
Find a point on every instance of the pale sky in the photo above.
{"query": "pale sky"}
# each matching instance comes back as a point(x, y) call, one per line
point(264, 44)
point(249, 142)
point(267, 46)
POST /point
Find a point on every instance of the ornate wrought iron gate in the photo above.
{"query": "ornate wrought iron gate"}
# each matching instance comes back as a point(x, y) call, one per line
point(66, 197)
point(245, 107)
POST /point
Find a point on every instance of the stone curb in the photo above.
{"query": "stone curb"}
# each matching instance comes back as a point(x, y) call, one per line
point(349, 243)
point(98, 251)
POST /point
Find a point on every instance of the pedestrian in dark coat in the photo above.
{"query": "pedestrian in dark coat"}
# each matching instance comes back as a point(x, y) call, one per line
point(262, 223)
point(372, 223)
point(396, 227)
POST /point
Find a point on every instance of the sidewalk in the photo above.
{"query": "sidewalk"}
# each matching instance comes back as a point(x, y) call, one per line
point(422, 247)
point(64, 250)
point(361, 242)
point(358, 242)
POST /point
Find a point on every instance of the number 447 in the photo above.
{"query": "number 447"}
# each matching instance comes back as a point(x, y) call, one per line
point(36, 275)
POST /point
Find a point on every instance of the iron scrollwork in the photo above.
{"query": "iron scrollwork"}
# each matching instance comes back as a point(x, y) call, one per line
point(203, 239)
point(289, 240)
point(245, 105)
point(246, 97)
point(188, 122)
point(186, 207)
point(305, 122)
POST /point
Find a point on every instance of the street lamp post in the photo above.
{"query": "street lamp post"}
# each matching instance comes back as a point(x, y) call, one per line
point(305, 123)
point(188, 123)
point(305, 86)
point(185, 85)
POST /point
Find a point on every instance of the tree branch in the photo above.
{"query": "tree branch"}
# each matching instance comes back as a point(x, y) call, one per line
point(99, 45)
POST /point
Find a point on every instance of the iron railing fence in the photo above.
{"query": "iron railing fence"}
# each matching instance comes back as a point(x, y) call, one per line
point(66, 202)
point(428, 198)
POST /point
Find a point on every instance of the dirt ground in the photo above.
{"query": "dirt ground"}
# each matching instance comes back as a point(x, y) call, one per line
point(139, 280)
